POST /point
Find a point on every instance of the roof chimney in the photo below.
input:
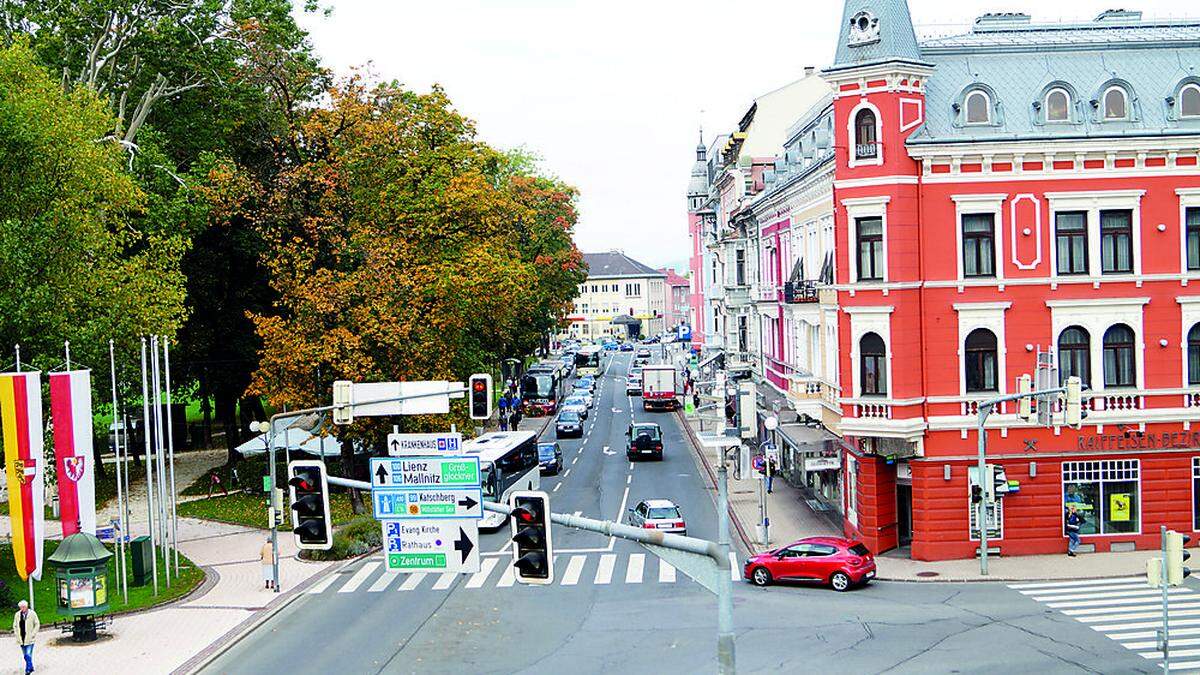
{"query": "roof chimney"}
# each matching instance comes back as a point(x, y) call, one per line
point(1001, 21)
point(809, 70)
point(1119, 16)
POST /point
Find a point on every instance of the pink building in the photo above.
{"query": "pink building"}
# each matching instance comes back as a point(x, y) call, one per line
point(677, 295)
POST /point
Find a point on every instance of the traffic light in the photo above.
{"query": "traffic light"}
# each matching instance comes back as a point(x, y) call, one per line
point(1154, 575)
point(1176, 555)
point(343, 395)
point(533, 555)
point(480, 388)
point(309, 490)
point(976, 494)
point(1073, 413)
point(1025, 387)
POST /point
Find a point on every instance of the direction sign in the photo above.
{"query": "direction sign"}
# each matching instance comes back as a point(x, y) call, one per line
point(431, 546)
point(424, 444)
point(416, 503)
point(424, 472)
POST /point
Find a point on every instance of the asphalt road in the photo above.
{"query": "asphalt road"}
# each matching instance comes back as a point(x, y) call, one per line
point(615, 608)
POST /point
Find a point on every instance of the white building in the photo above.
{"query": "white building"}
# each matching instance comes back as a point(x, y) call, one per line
point(621, 297)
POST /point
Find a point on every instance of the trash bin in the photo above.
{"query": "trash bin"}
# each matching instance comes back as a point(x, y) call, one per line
point(142, 560)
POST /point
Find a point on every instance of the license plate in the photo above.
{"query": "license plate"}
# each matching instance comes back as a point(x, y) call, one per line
point(664, 526)
point(870, 575)
point(647, 451)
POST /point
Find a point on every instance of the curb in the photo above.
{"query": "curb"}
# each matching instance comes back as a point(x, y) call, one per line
point(747, 542)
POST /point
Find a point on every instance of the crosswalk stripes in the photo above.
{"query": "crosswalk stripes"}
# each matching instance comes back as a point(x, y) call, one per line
point(1128, 612)
point(445, 581)
point(412, 581)
point(359, 577)
point(323, 584)
point(480, 577)
point(384, 580)
point(605, 570)
point(666, 572)
point(633, 573)
point(574, 569)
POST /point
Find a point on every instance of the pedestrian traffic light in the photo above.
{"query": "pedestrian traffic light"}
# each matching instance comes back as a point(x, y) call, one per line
point(309, 490)
point(533, 554)
point(343, 395)
point(1154, 575)
point(1025, 405)
point(1176, 555)
point(976, 494)
point(1073, 412)
point(480, 389)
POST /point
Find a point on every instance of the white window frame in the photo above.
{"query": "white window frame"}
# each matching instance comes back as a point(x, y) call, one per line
point(1189, 198)
point(870, 319)
point(1103, 465)
point(1093, 202)
point(1097, 316)
point(989, 315)
point(866, 207)
point(1195, 476)
point(987, 108)
point(1192, 86)
point(1046, 106)
point(1104, 104)
point(971, 204)
point(852, 489)
point(1189, 314)
point(852, 134)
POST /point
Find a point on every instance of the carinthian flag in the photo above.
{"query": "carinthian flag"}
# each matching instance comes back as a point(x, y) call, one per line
point(71, 411)
point(21, 421)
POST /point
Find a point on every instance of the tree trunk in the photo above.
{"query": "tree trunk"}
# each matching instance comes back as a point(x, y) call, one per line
point(227, 415)
point(352, 468)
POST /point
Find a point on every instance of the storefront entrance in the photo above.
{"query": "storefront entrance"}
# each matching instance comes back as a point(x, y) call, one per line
point(904, 513)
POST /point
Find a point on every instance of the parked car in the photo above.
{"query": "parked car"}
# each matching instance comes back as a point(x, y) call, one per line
point(644, 439)
point(585, 394)
point(839, 562)
point(633, 385)
point(575, 404)
point(549, 458)
point(569, 423)
point(658, 514)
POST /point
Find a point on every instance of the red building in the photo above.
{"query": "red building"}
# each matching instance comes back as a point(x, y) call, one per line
point(1018, 189)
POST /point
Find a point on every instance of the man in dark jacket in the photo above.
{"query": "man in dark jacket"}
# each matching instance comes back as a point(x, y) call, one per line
point(1074, 523)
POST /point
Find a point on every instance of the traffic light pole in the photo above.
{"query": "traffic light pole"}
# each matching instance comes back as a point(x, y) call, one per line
point(1166, 635)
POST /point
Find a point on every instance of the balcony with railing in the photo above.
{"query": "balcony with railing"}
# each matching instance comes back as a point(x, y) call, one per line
point(798, 292)
point(737, 295)
point(866, 150)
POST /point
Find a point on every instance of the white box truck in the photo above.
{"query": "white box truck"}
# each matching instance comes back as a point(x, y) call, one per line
point(659, 387)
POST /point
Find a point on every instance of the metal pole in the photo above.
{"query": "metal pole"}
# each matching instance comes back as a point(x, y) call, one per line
point(726, 663)
point(171, 455)
point(984, 410)
point(159, 448)
point(112, 369)
point(149, 470)
point(271, 508)
point(1166, 634)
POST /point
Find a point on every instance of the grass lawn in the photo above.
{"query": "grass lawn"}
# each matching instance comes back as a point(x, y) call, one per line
point(239, 508)
point(45, 593)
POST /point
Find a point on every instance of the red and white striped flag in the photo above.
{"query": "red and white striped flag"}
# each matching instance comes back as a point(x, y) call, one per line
point(71, 410)
point(21, 420)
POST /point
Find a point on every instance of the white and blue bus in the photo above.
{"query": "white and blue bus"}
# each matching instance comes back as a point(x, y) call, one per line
point(508, 461)
point(587, 360)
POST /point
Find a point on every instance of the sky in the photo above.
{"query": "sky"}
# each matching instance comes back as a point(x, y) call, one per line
point(611, 94)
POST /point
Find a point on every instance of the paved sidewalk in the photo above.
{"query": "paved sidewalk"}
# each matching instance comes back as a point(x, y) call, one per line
point(791, 518)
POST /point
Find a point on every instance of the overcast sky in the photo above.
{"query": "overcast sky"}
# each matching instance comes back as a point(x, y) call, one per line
point(611, 93)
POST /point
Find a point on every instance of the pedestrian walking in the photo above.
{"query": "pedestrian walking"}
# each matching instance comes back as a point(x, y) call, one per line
point(1074, 521)
point(25, 629)
point(267, 559)
point(516, 415)
point(770, 472)
point(505, 401)
point(214, 483)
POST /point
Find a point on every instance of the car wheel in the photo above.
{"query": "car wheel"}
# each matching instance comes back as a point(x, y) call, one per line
point(840, 581)
point(761, 576)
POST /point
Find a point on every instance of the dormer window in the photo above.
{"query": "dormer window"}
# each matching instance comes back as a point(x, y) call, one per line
point(1058, 106)
point(864, 29)
point(1116, 104)
point(866, 145)
point(1189, 101)
point(979, 108)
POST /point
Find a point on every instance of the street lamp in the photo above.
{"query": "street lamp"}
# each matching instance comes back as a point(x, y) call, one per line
point(771, 423)
point(264, 428)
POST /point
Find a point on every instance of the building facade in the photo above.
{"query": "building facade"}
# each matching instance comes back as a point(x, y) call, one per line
point(621, 297)
point(677, 297)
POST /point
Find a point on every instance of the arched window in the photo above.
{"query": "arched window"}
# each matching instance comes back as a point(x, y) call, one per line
point(1074, 355)
point(1116, 104)
point(979, 108)
point(1189, 101)
point(872, 354)
point(980, 362)
point(1058, 106)
point(1193, 355)
point(1119, 369)
point(866, 144)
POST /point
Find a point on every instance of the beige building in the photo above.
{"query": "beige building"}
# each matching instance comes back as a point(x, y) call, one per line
point(621, 297)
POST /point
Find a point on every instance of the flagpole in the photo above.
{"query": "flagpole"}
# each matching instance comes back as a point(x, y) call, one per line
point(149, 472)
point(171, 454)
point(159, 448)
point(112, 369)
point(29, 578)
point(67, 348)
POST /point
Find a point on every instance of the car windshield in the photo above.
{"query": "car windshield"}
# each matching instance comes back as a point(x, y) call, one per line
point(646, 432)
point(546, 451)
point(568, 416)
point(664, 512)
point(574, 400)
point(859, 549)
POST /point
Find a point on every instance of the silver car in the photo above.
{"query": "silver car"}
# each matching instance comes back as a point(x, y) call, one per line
point(658, 514)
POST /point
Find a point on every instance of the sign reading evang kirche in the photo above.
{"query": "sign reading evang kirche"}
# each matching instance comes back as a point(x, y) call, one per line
point(1148, 441)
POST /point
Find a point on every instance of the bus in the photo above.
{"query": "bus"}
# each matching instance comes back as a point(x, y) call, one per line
point(541, 387)
point(587, 360)
point(508, 461)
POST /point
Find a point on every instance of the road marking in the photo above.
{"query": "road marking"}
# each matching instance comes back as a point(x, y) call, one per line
point(628, 479)
point(633, 573)
point(383, 581)
point(566, 473)
point(1143, 624)
point(604, 572)
point(580, 450)
point(1152, 634)
point(616, 410)
point(574, 460)
point(1125, 611)
point(1047, 592)
point(574, 569)
point(1096, 596)
point(735, 571)
point(1145, 595)
point(1084, 582)
point(578, 513)
point(666, 572)
point(556, 487)
point(507, 578)
point(480, 577)
point(413, 580)
point(444, 581)
point(321, 585)
point(359, 577)
point(631, 466)
point(620, 512)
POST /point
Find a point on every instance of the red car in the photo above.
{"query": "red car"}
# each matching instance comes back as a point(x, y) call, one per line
point(841, 563)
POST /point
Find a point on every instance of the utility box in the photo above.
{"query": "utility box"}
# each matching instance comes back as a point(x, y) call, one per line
point(143, 558)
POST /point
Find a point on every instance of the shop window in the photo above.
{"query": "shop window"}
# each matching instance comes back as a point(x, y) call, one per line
point(1193, 355)
point(1058, 106)
point(1119, 367)
point(870, 249)
point(873, 365)
point(852, 490)
point(866, 143)
point(1116, 241)
point(1106, 493)
point(980, 360)
point(1192, 225)
point(1074, 355)
point(1070, 228)
point(995, 510)
point(979, 245)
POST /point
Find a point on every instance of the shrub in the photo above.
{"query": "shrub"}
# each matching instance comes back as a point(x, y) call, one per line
point(359, 536)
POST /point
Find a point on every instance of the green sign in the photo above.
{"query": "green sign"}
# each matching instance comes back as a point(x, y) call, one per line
point(266, 483)
point(460, 473)
point(402, 561)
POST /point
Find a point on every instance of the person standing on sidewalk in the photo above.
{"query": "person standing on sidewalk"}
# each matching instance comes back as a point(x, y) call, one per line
point(267, 559)
point(1074, 521)
point(25, 629)
point(770, 472)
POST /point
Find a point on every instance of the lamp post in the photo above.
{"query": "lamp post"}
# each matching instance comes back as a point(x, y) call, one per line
point(771, 423)
point(265, 428)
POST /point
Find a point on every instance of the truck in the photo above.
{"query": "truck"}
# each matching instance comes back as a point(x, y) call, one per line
point(659, 390)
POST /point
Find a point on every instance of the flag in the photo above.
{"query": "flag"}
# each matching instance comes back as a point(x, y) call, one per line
point(71, 411)
point(21, 422)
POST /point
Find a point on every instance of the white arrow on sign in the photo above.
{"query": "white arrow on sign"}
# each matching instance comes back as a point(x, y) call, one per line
point(608, 452)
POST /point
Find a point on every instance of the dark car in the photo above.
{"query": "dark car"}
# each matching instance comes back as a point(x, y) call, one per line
point(626, 347)
point(569, 424)
point(644, 440)
point(839, 562)
point(549, 458)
